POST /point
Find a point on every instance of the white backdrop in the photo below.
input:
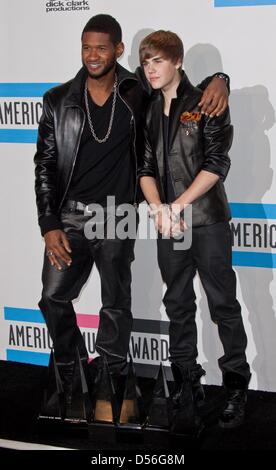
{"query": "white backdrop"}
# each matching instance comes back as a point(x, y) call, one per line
point(40, 46)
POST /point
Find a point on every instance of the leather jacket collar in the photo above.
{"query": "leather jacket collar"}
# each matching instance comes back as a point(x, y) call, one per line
point(186, 92)
point(187, 98)
point(74, 96)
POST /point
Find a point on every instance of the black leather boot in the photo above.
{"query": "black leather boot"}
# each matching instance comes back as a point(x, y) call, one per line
point(234, 410)
point(185, 418)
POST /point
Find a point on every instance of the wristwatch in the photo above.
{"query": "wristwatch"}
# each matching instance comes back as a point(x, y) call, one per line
point(223, 76)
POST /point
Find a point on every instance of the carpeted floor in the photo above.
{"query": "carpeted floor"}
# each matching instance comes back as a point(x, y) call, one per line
point(20, 397)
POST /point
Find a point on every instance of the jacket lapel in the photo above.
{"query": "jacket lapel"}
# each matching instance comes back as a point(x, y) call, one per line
point(187, 99)
point(157, 132)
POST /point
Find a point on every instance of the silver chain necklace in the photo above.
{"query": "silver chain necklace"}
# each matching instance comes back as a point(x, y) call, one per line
point(101, 141)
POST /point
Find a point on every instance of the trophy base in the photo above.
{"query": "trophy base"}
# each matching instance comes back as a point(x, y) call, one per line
point(56, 425)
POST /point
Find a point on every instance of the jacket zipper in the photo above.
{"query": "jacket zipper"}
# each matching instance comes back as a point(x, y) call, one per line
point(169, 174)
point(134, 142)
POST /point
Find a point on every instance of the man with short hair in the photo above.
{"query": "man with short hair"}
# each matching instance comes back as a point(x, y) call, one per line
point(89, 143)
point(186, 162)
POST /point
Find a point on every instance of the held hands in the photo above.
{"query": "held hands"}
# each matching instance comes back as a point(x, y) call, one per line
point(57, 248)
point(214, 100)
point(161, 217)
point(167, 220)
point(178, 224)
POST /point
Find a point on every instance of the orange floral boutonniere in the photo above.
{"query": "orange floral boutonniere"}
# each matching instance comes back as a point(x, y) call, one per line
point(193, 116)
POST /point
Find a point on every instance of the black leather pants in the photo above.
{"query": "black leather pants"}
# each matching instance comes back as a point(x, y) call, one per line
point(112, 258)
point(210, 255)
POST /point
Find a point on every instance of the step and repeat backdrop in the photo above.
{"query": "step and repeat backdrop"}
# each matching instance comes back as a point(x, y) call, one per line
point(40, 47)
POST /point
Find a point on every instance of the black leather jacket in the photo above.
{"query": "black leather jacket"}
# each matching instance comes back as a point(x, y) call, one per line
point(193, 146)
point(59, 136)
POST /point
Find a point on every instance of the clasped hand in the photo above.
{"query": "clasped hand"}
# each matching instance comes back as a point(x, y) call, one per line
point(168, 221)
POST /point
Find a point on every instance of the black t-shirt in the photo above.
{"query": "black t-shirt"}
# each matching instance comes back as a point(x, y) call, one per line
point(169, 190)
point(104, 169)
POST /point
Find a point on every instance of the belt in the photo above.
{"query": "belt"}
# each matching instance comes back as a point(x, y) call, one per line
point(75, 206)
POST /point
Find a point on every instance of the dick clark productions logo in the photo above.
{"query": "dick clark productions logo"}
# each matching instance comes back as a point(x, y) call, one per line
point(67, 5)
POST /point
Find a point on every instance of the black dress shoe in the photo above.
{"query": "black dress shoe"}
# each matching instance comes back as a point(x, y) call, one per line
point(234, 410)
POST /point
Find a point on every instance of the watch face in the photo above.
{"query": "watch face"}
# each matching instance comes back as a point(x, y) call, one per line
point(221, 75)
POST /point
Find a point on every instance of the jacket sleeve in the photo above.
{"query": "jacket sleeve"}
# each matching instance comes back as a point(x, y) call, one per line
point(45, 161)
point(147, 165)
point(218, 137)
point(203, 85)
